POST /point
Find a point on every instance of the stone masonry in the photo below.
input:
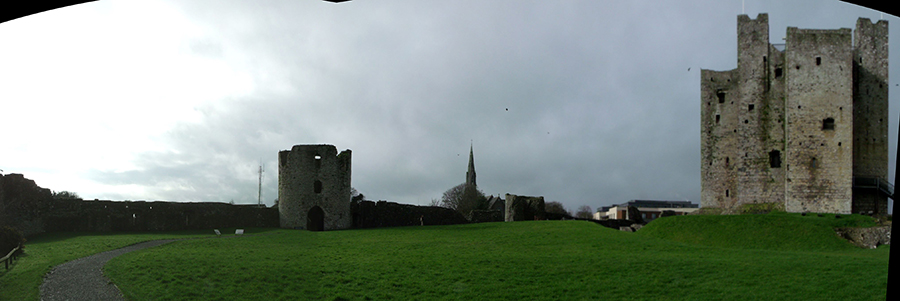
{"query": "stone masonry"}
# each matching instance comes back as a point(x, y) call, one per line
point(314, 188)
point(797, 123)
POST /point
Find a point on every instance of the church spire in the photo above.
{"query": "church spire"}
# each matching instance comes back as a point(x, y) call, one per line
point(470, 175)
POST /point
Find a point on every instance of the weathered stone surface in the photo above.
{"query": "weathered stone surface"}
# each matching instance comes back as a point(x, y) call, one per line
point(314, 188)
point(32, 210)
point(867, 237)
point(524, 208)
point(796, 124)
point(368, 214)
point(484, 216)
point(626, 229)
point(636, 226)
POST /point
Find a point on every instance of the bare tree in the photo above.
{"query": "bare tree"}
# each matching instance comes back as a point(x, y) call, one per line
point(584, 212)
point(556, 207)
point(464, 198)
point(356, 196)
point(65, 195)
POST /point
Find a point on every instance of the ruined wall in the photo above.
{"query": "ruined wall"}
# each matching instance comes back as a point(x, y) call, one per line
point(22, 204)
point(314, 180)
point(794, 126)
point(32, 210)
point(758, 122)
point(870, 112)
point(819, 88)
point(718, 143)
point(524, 208)
point(368, 214)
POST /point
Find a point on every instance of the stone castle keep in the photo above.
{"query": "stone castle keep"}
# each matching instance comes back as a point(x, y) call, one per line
point(314, 188)
point(801, 124)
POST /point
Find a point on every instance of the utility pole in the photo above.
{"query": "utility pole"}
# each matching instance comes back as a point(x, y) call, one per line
point(259, 195)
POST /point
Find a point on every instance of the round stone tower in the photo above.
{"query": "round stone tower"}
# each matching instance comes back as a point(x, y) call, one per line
point(314, 188)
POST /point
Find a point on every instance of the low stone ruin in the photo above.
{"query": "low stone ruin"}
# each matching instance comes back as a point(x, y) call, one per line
point(524, 208)
point(867, 237)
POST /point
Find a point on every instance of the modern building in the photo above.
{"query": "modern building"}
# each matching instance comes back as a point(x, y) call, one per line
point(649, 209)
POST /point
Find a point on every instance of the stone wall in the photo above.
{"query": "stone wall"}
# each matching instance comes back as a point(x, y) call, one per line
point(868, 238)
point(870, 112)
point(314, 187)
point(32, 210)
point(524, 208)
point(368, 214)
point(795, 123)
point(485, 216)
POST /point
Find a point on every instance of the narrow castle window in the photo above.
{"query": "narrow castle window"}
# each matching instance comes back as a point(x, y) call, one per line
point(717, 119)
point(318, 160)
point(828, 124)
point(317, 186)
point(726, 193)
point(750, 107)
point(721, 95)
point(818, 61)
point(775, 159)
point(777, 72)
point(813, 163)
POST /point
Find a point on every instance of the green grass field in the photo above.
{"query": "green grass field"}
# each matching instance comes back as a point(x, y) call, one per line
point(777, 256)
point(42, 253)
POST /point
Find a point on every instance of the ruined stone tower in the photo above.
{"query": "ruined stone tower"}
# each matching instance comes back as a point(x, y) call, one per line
point(801, 124)
point(314, 188)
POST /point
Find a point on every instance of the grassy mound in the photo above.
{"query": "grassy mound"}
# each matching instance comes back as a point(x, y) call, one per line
point(531, 260)
point(772, 231)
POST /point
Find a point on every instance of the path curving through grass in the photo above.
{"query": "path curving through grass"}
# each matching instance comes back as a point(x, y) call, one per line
point(82, 279)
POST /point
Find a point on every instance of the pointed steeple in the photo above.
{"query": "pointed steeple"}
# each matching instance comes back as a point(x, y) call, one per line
point(470, 175)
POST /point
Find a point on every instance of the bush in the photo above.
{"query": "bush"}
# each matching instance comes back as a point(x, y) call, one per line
point(10, 238)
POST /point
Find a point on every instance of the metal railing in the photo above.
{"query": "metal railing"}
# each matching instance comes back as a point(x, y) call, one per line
point(11, 256)
point(880, 184)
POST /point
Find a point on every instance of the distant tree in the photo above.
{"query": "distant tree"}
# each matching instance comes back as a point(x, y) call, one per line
point(464, 198)
point(584, 212)
point(65, 195)
point(556, 207)
point(356, 196)
point(435, 203)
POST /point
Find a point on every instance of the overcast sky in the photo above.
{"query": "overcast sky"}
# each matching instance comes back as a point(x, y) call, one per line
point(582, 102)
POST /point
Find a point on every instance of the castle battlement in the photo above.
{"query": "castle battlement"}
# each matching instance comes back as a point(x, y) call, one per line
point(795, 125)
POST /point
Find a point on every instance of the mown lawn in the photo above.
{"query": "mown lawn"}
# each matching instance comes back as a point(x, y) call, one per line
point(520, 261)
point(43, 252)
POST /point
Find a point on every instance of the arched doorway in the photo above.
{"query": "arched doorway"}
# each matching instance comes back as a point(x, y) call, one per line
point(315, 219)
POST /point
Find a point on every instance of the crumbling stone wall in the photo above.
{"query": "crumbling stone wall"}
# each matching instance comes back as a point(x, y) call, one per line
point(23, 203)
point(870, 112)
point(524, 208)
point(794, 123)
point(32, 210)
point(485, 216)
point(868, 238)
point(368, 214)
point(314, 188)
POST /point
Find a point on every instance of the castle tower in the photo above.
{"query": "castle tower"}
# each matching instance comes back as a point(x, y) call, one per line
point(314, 188)
point(797, 124)
point(870, 113)
point(470, 174)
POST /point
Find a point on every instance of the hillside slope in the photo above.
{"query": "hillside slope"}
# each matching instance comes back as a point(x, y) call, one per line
point(773, 231)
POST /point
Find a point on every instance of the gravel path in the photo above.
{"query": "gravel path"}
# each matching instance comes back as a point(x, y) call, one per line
point(82, 279)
